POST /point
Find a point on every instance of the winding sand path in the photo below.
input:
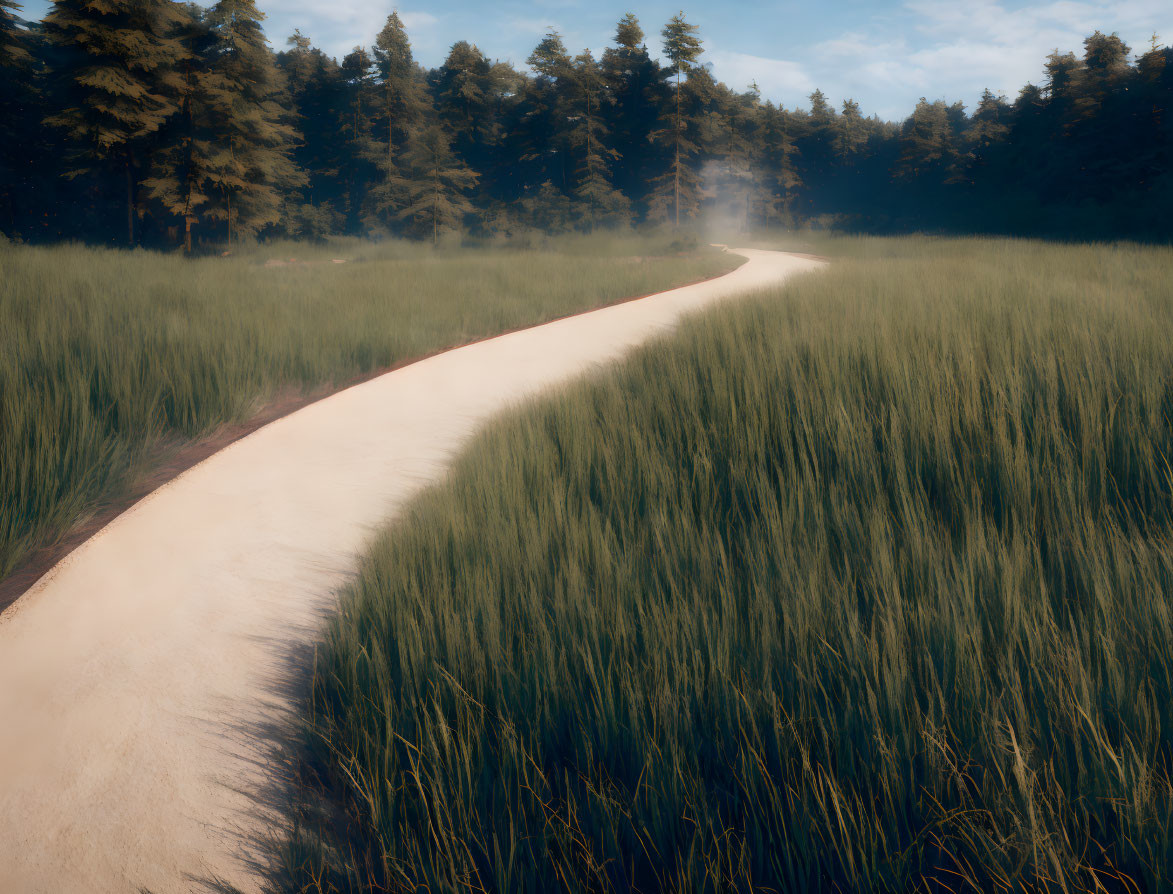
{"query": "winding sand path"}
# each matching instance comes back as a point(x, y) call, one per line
point(146, 680)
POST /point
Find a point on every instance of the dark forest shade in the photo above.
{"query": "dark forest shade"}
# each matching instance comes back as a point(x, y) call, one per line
point(153, 118)
point(15, 105)
point(113, 84)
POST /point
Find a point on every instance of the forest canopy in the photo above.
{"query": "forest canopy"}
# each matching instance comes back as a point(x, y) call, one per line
point(160, 123)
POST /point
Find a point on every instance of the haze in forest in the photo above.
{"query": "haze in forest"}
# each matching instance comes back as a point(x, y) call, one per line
point(159, 123)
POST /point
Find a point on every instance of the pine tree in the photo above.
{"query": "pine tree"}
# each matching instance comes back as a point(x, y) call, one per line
point(315, 96)
point(816, 147)
point(1106, 55)
point(464, 92)
point(988, 130)
point(191, 102)
point(358, 72)
point(551, 60)
point(850, 133)
point(1105, 70)
point(1063, 77)
point(1151, 66)
point(929, 146)
point(1026, 138)
point(683, 48)
point(989, 123)
point(1155, 91)
point(400, 89)
point(775, 158)
point(547, 208)
point(362, 154)
point(249, 171)
point(15, 100)
point(13, 52)
point(629, 35)
point(547, 138)
point(120, 57)
point(228, 157)
point(397, 70)
point(402, 110)
point(434, 184)
point(177, 179)
point(637, 93)
point(599, 201)
point(1153, 139)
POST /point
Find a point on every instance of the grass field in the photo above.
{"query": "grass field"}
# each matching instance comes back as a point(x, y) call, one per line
point(107, 358)
point(864, 585)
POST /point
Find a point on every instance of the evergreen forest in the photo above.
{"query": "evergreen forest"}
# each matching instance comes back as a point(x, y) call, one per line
point(151, 122)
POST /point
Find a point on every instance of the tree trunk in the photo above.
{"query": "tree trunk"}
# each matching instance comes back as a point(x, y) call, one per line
point(590, 157)
point(676, 166)
point(228, 192)
point(10, 204)
point(129, 203)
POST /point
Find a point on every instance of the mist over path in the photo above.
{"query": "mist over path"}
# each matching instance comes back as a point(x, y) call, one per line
point(147, 681)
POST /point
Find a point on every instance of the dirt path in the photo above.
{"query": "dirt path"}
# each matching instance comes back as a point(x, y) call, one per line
point(146, 681)
point(175, 459)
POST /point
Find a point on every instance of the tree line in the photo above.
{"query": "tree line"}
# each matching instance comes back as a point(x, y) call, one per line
point(156, 122)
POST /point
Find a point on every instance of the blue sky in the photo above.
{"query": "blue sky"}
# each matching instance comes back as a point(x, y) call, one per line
point(883, 54)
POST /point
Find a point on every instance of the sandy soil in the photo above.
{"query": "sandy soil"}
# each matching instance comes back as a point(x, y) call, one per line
point(148, 680)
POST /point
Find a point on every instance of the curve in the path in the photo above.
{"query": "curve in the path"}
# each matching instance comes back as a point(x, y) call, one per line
point(145, 680)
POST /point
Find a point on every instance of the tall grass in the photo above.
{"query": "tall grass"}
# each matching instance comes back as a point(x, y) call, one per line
point(863, 585)
point(105, 355)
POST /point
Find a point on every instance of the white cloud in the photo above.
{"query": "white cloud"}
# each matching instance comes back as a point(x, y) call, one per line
point(781, 80)
point(863, 60)
point(416, 20)
point(532, 26)
point(350, 23)
point(954, 50)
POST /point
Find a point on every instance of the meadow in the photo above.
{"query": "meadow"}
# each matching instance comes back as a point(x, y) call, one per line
point(864, 584)
point(110, 360)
